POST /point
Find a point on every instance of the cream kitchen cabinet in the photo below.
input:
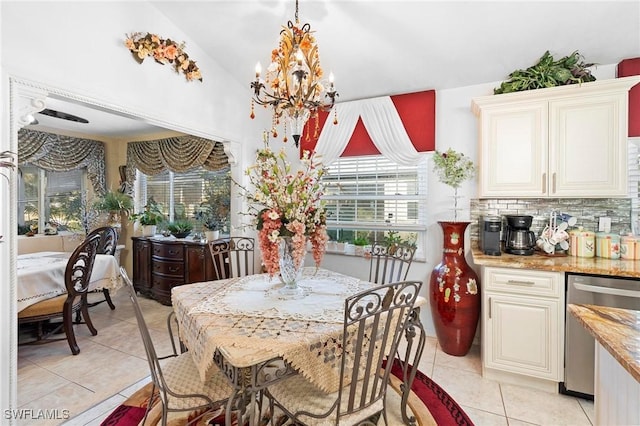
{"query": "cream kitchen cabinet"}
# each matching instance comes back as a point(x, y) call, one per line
point(522, 325)
point(568, 141)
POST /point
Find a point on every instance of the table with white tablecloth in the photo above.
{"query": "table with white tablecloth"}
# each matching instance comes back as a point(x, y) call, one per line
point(41, 275)
point(241, 325)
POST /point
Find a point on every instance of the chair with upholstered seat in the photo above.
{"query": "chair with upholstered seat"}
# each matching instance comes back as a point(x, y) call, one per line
point(233, 257)
point(177, 380)
point(373, 325)
point(390, 262)
point(108, 244)
point(77, 277)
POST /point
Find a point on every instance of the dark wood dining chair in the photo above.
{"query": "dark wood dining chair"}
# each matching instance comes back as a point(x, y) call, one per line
point(177, 378)
point(76, 277)
point(108, 244)
point(233, 257)
point(390, 262)
point(373, 326)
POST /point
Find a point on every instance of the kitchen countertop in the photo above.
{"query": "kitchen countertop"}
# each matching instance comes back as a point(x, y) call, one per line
point(617, 330)
point(584, 265)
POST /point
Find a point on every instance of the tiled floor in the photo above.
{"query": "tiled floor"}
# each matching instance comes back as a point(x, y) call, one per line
point(111, 366)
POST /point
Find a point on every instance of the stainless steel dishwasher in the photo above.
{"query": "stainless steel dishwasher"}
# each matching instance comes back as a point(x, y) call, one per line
point(579, 356)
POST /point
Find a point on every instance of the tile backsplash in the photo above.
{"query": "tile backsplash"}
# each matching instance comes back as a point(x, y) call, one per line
point(586, 210)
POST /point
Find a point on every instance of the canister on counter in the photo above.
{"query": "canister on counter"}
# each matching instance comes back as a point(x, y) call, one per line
point(584, 245)
point(607, 245)
point(628, 247)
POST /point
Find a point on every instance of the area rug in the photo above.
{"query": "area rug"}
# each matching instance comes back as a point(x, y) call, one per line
point(428, 402)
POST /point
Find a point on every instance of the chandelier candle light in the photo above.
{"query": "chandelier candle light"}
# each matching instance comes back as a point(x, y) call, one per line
point(293, 84)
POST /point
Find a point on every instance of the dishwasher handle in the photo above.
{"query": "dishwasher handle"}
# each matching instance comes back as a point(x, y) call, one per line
point(606, 290)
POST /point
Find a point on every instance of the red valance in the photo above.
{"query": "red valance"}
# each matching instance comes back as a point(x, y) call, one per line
point(627, 68)
point(418, 115)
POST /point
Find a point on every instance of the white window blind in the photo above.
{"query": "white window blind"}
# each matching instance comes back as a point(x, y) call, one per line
point(367, 196)
point(179, 194)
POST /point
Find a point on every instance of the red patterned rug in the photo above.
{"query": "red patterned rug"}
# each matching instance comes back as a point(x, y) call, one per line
point(430, 404)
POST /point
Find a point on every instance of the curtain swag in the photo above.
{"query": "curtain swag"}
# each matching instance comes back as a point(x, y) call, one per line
point(60, 153)
point(178, 154)
point(382, 121)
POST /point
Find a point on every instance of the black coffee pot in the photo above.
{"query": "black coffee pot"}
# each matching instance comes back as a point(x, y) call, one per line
point(518, 239)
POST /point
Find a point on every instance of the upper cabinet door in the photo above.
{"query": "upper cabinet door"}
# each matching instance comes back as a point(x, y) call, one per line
point(588, 157)
point(567, 141)
point(514, 151)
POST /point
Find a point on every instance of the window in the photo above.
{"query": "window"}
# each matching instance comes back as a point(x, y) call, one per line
point(180, 194)
point(366, 196)
point(50, 197)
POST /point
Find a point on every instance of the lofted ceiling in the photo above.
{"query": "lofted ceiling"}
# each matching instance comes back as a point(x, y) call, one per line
point(379, 48)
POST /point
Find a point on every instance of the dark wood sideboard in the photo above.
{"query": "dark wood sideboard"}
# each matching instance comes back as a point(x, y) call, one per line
point(160, 264)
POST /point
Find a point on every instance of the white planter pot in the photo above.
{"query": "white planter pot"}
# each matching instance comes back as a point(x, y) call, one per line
point(149, 230)
point(212, 235)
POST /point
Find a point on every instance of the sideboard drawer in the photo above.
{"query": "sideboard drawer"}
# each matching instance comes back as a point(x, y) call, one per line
point(174, 269)
point(168, 251)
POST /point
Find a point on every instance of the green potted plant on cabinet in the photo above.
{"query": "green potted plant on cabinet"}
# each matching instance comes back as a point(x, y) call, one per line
point(180, 228)
point(149, 218)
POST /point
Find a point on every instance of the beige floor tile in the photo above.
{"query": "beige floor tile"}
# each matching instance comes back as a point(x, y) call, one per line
point(67, 401)
point(35, 382)
point(470, 362)
point(470, 389)
point(543, 408)
point(485, 418)
point(589, 408)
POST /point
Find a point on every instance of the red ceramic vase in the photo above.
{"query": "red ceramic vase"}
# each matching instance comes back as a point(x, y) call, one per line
point(454, 293)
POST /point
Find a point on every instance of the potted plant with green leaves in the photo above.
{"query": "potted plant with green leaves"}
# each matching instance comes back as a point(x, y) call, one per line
point(180, 228)
point(114, 203)
point(212, 217)
point(149, 218)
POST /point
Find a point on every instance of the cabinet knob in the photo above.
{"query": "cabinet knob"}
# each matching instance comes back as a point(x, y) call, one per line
point(544, 183)
point(518, 282)
point(553, 182)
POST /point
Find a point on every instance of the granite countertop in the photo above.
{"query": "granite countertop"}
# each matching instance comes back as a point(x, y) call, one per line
point(617, 330)
point(584, 265)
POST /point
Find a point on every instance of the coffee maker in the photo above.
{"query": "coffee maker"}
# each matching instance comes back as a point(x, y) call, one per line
point(490, 227)
point(518, 239)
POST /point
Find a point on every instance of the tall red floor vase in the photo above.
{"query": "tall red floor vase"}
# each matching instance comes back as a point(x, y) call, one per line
point(454, 293)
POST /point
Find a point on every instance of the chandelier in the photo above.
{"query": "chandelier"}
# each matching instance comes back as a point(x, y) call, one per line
point(293, 86)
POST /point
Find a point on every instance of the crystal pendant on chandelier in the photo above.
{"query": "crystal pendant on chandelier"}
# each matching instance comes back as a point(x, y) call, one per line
point(293, 85)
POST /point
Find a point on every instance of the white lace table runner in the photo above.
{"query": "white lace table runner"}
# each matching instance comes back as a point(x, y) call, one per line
point(246, 319)
point(257, 295)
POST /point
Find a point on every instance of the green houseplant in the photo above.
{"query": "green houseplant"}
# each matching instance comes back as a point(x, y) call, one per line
point(149, 218)
point(115, 203)
point(548, 73)
point(180, 228)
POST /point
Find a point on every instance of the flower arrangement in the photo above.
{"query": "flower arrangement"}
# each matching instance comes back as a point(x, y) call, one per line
point(163, 51)
point(453, 168)
point(287, 204)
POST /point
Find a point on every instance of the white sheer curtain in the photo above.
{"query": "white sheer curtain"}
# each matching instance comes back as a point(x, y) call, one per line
point(382, 121)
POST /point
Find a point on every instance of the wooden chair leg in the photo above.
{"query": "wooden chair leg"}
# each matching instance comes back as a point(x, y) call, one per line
point(85, 314)
point(67, 323)
point(107, 297)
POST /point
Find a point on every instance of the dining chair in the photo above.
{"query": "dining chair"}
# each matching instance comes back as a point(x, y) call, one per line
point(177, 380)
point(390, 262)
point(108, 245)
point(233, 257)
point(76, 277)
point(373, 325)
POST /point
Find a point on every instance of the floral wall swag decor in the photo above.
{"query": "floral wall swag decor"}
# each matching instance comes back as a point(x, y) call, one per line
point(163, 51)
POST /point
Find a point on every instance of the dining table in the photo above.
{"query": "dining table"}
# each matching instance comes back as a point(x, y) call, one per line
point(257, 336)
point(41, 275)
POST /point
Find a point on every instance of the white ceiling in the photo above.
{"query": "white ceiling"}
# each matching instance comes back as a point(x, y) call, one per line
point(379, 48)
